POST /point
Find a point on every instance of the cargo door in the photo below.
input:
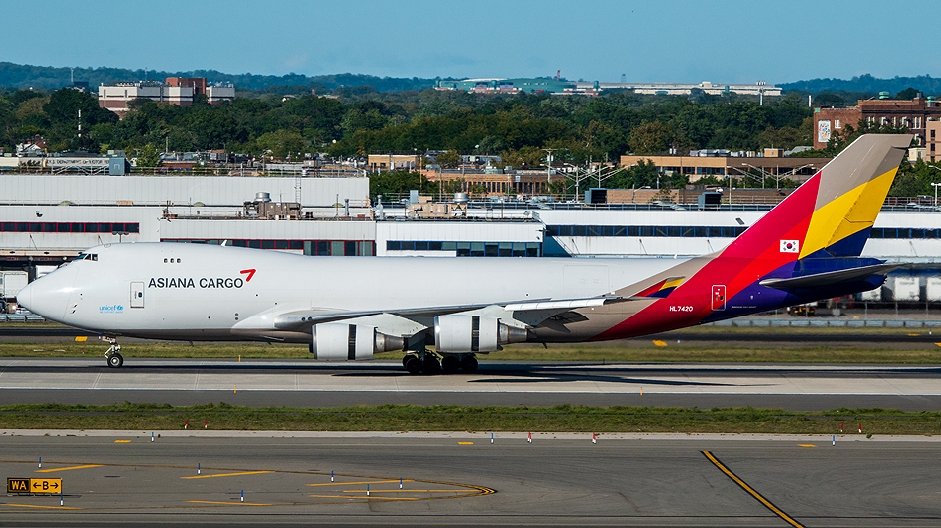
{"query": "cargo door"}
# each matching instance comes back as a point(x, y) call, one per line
point(137, 295)
point(718, 298)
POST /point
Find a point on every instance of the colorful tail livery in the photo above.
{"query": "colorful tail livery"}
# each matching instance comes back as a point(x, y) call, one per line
point(805, 249)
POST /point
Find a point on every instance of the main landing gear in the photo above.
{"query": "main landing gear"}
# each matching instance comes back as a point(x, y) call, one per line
point(426, 362)
point(113, 355)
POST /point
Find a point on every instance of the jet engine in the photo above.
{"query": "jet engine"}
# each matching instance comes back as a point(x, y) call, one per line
point(474, 333)
point(340, 341)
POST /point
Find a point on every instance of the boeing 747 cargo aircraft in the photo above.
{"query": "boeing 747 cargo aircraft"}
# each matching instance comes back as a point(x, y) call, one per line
point(349, 308)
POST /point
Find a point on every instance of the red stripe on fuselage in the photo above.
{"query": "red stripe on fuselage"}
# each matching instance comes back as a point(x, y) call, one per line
point(751, 256)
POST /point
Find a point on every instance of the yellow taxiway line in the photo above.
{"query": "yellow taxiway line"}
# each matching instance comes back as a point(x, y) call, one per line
point(338, 484)
point(228, 503)
point(751, 491)
point(68, 468)
point(365, 498)
point(237, 474)
point(38, 506)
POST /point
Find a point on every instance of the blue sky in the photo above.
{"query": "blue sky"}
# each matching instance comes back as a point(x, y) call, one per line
point(656, 40)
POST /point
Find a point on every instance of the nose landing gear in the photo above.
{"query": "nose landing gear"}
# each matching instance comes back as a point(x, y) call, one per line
point(113, 355)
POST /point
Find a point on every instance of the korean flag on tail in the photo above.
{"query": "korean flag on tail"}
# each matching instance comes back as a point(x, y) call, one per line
point(790, 246)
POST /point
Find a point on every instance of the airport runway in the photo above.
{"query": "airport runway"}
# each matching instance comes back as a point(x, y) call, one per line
point(306, 383)
point(464, 480)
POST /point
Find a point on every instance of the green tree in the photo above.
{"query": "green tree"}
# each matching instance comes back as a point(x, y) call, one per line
point(148, 156)
point(787, 137)
point(449, 159)
point(915, 179)
point(653, 137)
point(283, 143)
point(829, 99)
point(393, 183)
point(526, 157)
point(907, 94)
point(644, 174)
point(62, 111)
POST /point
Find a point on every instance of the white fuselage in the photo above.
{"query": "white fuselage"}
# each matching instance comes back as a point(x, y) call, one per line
point(189, 291)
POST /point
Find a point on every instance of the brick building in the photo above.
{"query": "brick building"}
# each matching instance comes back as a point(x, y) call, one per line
point(198, 84)
point(178, 91)
point(913, 115)
point(933, 141)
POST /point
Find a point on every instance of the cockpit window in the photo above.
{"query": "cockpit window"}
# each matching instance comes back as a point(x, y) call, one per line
point(87, 256)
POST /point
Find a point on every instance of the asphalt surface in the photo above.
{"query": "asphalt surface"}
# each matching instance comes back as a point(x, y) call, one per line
point(306, 383)
point(465, 480)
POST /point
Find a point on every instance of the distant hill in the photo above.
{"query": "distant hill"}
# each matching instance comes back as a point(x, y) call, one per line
point(867, 84)
point(52, 78)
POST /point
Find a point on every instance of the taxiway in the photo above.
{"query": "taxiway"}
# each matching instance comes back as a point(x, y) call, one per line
point(461, 479)
point(306, 383)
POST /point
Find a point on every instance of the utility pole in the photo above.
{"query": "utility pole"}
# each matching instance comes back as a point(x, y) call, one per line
point(549, 152)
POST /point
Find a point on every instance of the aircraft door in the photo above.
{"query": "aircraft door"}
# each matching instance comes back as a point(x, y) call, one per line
point(718, 297)
point(137, 295)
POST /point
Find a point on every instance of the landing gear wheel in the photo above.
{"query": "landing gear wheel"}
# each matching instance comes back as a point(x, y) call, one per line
point(115, 360)
point(412, 364)
point(450, 364)
point(113, 355)
point(469, 363)
point(430, 364)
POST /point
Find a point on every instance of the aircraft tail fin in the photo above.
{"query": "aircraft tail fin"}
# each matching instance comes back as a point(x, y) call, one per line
point(805, 249)
point(832, 213)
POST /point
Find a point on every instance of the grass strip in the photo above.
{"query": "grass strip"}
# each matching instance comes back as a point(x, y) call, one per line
point(149, 417)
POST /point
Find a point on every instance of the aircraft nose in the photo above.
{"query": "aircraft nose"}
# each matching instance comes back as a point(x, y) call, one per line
point(25, 297)
point(47, 296)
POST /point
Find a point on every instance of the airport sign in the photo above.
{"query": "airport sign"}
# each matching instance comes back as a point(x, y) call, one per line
point(35, 486)
point(45, 485)
point(17, 485)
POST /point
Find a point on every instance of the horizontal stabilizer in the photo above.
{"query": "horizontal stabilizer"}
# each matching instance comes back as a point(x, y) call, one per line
point(829, 278)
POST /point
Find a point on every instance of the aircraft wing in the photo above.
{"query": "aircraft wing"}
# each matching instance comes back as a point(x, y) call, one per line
point(531, 311)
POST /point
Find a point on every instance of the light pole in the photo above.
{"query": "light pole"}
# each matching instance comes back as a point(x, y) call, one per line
point(935, 185)
point(730, 189)
point(760, 170)
point(549, 152)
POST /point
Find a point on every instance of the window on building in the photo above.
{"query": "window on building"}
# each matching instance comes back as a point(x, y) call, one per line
point(70, 227)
